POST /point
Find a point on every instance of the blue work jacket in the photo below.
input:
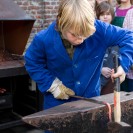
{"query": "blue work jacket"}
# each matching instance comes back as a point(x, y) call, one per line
point(46, 58)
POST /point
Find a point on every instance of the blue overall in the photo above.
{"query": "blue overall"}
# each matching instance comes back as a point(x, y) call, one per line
point(46, 58)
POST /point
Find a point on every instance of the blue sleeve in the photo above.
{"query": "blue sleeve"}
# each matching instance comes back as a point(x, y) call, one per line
point(113, 36)
point(35, 64)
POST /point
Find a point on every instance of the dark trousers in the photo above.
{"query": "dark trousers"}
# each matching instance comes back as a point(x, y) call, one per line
point(127, 85)
point(108, 88)
point(130, 84)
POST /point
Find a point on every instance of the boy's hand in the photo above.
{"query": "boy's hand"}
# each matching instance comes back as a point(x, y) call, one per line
point(119, 74)
point(60, 91)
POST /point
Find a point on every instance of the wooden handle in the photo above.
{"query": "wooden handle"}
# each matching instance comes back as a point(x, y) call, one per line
point(117, 107)
point(117, 104)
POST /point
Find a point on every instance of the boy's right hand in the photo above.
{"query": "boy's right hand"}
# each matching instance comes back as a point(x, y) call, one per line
point(60, 91)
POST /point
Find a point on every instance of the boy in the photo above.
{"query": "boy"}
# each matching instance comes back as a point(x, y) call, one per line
point(59, 74)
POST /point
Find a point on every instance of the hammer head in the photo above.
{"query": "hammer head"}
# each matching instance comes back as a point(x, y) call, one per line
point(119, 127)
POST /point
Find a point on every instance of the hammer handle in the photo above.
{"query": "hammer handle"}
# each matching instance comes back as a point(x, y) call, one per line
point(117, 105)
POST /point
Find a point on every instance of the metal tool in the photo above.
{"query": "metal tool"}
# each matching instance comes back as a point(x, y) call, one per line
point(88, 99)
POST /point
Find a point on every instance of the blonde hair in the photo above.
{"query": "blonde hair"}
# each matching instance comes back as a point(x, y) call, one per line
point(77, 16)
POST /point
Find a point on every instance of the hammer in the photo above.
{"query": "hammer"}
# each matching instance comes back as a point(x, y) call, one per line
point(117, 125)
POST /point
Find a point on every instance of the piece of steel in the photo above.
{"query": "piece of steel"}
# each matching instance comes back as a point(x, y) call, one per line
point(82, 116)
point(89, 99)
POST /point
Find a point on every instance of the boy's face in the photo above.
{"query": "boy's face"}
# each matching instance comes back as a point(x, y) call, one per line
point(106, 17)
point(72, 38)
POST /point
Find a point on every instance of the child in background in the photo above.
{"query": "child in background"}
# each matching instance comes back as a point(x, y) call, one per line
point(120, 13)
point(128, 24)
point(121, 10)
point(128, 21)
point(105, 13)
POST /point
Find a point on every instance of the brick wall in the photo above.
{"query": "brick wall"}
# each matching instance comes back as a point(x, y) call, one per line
point(50, 11)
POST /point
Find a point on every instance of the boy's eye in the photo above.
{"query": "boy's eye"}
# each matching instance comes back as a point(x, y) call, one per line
point(108, 13)
point(73, 34)
point(77, 36)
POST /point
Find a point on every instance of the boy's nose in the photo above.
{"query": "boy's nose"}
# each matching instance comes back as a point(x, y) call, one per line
point(81, 39)
point(105, 16)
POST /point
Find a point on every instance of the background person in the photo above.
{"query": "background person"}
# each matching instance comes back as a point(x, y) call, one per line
point(128, 23)
point(120, 13)
point(121, 10)
point(105, 13)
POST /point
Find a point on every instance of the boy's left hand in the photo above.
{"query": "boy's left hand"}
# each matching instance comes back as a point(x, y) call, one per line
point(119, 74)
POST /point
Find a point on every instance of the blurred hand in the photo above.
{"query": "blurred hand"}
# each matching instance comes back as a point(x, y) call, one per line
point(106, 72)
point(119, 74)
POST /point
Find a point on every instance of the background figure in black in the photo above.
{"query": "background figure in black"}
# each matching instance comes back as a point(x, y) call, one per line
point(105, 13)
